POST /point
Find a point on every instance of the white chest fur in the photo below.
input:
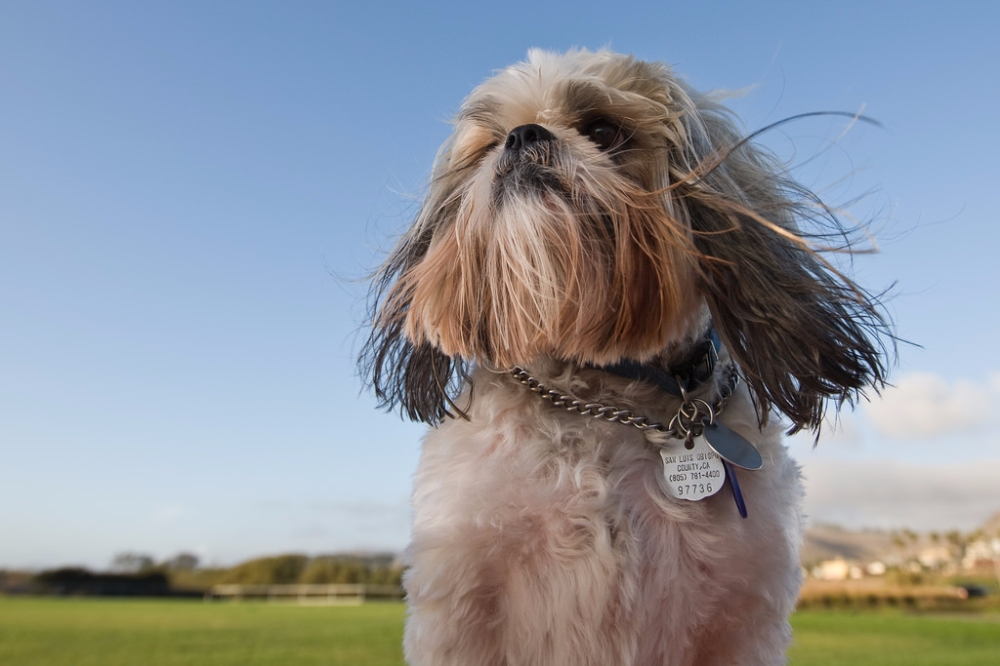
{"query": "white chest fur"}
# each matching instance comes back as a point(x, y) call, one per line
point(541, 537)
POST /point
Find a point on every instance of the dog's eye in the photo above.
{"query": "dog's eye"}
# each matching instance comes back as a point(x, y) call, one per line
point(605, 134)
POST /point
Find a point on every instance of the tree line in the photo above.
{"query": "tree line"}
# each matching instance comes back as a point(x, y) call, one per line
point(132, 573)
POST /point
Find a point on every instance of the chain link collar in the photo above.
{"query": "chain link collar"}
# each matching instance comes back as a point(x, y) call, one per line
point(689, 420)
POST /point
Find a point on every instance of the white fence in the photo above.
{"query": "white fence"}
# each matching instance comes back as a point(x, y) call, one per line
point(305, 594)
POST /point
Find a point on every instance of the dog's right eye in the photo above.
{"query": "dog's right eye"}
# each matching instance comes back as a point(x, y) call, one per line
point(605, 134)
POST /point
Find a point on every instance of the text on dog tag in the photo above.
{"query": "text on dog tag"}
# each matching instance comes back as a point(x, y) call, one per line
point(694, 473)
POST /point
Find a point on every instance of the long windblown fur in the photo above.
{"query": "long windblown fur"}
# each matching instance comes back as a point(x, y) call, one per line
point(591, 209)
point(687, 202)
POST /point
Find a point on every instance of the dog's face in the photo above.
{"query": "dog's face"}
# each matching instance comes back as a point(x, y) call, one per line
point(591, 207)
point(551, 227)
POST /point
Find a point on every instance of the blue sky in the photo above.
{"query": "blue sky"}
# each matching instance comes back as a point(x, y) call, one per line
point(191, 194)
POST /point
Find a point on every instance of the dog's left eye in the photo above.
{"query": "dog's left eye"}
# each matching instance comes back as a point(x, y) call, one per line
point(605, 134)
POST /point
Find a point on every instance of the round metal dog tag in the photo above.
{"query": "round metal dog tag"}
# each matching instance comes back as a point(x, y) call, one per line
point(694, 473)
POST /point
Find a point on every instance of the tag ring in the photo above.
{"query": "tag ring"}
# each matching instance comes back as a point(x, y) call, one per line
point(686, 420)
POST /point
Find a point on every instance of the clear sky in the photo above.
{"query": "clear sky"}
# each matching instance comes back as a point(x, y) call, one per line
point(191, 194)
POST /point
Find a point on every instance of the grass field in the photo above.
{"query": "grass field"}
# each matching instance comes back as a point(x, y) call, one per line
point(84, 632)
point(884, 638)
point(104, 632)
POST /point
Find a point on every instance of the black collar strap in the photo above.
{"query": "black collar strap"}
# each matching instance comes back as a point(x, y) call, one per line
point(698, 368)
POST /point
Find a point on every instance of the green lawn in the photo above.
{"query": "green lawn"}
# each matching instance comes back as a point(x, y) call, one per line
point(103, 632)
point(826, 638)
point(83, 632)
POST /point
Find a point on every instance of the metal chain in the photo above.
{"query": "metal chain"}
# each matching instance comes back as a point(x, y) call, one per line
point(689, 419)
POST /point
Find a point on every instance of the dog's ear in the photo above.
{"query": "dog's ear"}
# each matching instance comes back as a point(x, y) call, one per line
point(803, 333)
point(419, 379)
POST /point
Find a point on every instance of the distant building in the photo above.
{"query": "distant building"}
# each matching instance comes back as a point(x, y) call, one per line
point(835, 569)
point(981, 553)
point(876, 568)
point(935, 557)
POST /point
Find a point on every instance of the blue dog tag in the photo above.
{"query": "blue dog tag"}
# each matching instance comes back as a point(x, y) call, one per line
point(732, 447)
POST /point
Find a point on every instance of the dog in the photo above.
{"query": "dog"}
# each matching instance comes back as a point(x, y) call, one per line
point(608, 310)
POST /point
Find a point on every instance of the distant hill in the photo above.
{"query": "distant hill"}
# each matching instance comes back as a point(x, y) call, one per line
point(825, 542)
point(992, 526)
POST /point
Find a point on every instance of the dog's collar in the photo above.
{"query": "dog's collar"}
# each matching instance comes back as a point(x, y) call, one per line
point(695, 418)
point(678, 379)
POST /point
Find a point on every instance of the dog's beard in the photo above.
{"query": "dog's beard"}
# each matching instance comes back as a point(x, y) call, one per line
point(553, 257)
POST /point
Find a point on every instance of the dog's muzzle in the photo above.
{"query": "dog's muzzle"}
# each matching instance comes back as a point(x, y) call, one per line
point(526, 157)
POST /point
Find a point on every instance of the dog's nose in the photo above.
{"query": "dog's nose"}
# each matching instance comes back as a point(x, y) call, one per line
point(526, 135)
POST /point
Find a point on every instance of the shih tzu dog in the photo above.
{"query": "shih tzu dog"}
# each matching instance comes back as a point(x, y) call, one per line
point(609, 309)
